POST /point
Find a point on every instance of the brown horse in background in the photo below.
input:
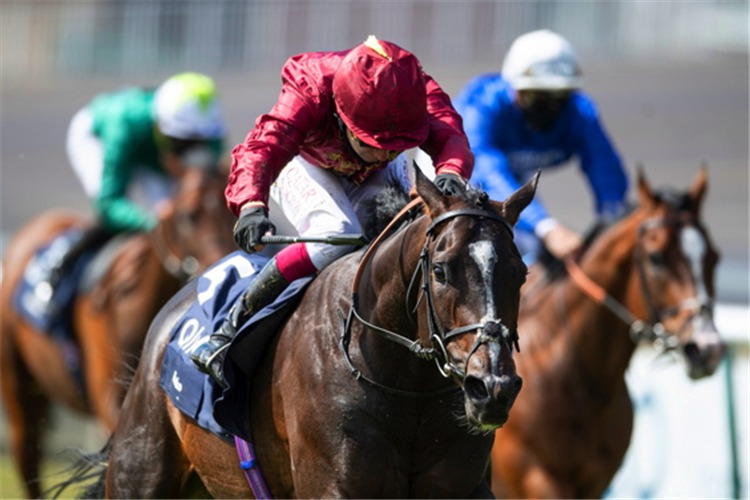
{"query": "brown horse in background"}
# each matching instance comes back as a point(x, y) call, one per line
point(650, 276)
point(110, 321)
point(338, 409)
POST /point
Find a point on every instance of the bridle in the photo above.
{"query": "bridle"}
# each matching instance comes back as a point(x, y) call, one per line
point(653, 329)
point(181, 268)
point(491, 332)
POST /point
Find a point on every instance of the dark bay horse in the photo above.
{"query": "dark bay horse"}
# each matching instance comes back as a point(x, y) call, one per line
point(650, 276)
point(110, 321)
point(446, 285)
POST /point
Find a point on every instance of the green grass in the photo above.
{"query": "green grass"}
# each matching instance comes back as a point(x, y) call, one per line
point(10, 481)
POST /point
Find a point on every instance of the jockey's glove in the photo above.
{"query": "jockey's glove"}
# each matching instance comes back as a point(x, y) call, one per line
point(252, 224)
point(450, 184)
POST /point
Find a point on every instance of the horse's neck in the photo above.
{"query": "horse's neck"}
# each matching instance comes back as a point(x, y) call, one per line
point(393, 266)
point(599, 341)
point(385, 301)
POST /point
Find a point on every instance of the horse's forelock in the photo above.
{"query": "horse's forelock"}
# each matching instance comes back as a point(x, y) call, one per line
point(677, 200)
point(475, 196)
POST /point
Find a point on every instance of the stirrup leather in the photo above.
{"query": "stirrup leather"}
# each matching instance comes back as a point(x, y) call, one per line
point(216, 354)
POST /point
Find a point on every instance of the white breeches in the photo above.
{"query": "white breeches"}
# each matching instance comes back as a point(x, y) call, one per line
point(316, 202)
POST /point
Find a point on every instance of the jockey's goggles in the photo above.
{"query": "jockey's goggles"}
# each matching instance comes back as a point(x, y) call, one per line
point(194, 152)
point(549, 98)
point(392, 154)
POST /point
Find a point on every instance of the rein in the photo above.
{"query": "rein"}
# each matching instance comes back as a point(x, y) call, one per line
point(491, 330)
point(652, 330)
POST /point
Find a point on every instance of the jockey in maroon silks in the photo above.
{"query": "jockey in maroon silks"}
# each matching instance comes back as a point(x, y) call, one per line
point(335, 137)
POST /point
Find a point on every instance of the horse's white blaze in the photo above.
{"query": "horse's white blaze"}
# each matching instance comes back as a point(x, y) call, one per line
point(484, 255)
point(694, 247)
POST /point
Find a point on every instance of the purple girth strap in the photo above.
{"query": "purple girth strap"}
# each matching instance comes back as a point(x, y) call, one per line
point(250, 467)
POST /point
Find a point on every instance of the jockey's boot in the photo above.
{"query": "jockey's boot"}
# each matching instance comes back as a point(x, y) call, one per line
point(93, 237)
point(209, 356)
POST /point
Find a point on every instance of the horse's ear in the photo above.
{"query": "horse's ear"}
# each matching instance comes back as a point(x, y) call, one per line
point(699, 187)
point(436, 201)
point(645, 194)
point(515, 203)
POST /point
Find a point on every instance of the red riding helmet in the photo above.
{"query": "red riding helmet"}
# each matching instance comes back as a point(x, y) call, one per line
point(380, 94)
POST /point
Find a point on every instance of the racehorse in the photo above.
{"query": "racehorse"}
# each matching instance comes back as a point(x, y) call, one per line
point(650, 277)
point(110, 320)
point(370, 416)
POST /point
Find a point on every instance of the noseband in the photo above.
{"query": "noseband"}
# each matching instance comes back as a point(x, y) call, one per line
point(492, 332)
point(652, 330)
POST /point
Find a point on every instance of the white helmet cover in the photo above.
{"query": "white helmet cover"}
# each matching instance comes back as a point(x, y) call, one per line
point(542, 60)
point(186, 106)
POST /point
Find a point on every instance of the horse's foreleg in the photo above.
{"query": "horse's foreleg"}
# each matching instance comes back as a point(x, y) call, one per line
point(26, 407)
point(104, 384)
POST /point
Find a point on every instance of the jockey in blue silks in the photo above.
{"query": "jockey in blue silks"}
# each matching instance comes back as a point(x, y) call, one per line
point(534, 116)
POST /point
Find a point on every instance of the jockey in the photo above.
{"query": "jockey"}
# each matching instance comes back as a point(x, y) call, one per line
point(128, 146)
point(534, 116)
point(336, 135)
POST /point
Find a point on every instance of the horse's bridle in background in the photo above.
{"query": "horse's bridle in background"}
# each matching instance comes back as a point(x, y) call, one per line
point(181, 268)
point(652, 330)
point(491, 331)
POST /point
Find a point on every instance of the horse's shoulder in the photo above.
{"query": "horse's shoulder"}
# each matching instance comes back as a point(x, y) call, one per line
point(164, 323)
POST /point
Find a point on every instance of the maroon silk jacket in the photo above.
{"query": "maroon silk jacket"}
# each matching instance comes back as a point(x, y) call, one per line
point(303, 122)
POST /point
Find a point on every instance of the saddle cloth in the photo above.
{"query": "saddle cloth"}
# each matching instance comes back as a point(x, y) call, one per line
point(51, 311)
point(35, 300)
point(196, 394)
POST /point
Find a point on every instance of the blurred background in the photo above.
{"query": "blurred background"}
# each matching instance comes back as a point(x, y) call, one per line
point(670, 79)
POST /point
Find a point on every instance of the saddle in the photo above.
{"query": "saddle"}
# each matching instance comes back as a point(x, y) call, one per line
point(195, 393)
point(46, 308)
point(50, 311)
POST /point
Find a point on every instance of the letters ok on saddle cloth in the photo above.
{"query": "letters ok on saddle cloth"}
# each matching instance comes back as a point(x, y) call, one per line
point(197, 394)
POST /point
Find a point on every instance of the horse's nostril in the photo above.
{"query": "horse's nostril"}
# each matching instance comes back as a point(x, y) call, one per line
point(476, 389)
point(692, 352)
point(507, 387)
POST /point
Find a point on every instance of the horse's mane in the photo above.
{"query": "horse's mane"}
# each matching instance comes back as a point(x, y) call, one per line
point(555, 268)
point(673, 198)
point(382, 208)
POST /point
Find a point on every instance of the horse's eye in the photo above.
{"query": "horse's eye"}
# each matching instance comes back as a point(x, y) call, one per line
point(439, 273)
point(656, 258)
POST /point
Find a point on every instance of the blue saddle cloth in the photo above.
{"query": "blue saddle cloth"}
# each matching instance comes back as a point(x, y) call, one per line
point(35, 301)
point(197, 395)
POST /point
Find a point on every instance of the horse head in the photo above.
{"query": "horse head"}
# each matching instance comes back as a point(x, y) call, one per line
point(195, 228)
point(472, 275)
point(676, 261)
